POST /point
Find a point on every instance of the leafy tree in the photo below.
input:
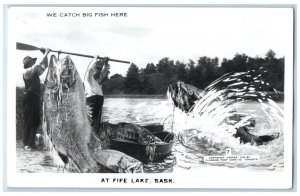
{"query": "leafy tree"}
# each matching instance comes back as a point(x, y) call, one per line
point(181, 72)
point(274, 72)
point(240, 62)
point(205, 71)
point(237, 64)
point(255, 63)
point(270, 54)
point(132, 83)
point(150, 68)
point(166, 67)
point(191, 72)
point(155, 79)
point(115, 76)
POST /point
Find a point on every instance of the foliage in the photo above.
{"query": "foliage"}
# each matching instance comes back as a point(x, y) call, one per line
point(132, 82)
point(115, 76)
point(154, 79)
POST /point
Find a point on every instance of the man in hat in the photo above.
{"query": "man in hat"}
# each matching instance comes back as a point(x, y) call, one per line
point(31, 102)
point(93, 80)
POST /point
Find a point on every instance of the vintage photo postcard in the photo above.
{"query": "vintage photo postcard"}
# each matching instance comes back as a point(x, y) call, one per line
point(149, 96)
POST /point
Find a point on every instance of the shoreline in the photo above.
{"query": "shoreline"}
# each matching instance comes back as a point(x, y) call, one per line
point(278, 97)
point(161, 96)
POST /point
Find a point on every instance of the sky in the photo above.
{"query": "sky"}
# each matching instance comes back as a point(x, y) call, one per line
point(147, 35)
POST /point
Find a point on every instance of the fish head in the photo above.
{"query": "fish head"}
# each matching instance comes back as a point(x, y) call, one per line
point(61, 71)
point(184, 95)
point(129, 165)
point(173, 93)
point(67, 71)
point(52, 74)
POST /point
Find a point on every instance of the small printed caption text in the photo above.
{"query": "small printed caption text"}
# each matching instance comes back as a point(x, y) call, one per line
point(137, 180)
point(85, 15)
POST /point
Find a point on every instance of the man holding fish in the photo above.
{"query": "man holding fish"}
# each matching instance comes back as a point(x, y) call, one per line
point(95, 76)
point(93, 80)
point(32, 96)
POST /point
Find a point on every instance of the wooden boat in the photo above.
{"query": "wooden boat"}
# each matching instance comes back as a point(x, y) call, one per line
point(155, 145)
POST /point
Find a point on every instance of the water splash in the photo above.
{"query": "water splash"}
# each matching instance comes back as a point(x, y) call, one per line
point(209, 126)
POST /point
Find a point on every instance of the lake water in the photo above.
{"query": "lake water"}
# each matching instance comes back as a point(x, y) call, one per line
point(186, 156)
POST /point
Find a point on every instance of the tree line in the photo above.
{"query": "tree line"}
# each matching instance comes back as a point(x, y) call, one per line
point(155, 78)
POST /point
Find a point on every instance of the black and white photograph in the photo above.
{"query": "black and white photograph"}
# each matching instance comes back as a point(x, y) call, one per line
point(154, 97)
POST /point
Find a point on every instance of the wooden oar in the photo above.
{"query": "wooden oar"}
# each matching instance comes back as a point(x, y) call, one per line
point(22, 46)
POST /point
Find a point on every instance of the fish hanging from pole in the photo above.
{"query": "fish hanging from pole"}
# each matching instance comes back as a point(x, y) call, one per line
point(66, 125)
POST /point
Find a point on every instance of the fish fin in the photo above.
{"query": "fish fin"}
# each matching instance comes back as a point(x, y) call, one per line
point(95, 143)
point(267, 138)
point(63, 157)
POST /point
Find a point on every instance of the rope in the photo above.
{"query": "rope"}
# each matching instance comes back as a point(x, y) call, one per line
point(58, 53)
point(173, 117)
point(87, 69)
point(169, 135)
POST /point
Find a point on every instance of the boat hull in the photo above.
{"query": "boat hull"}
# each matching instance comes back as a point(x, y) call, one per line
point(146, 152)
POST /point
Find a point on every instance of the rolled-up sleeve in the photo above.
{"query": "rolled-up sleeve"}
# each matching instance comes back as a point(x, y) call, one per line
point(29, 72)
point(103, 74)
point(40, 69)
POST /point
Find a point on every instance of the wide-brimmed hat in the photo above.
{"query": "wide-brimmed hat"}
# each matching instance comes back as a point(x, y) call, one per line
point(26, 60)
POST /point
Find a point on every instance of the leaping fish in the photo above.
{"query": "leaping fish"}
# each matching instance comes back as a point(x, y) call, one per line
point(184, 97)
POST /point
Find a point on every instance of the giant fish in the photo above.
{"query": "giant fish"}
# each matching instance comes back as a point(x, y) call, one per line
point(184, 97)
point(66, 124)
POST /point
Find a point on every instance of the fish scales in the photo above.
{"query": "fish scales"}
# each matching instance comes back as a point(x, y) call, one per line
point(67, 124)
point(58, 101)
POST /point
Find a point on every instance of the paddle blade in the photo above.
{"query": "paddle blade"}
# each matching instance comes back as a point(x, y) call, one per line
point(21, 46)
